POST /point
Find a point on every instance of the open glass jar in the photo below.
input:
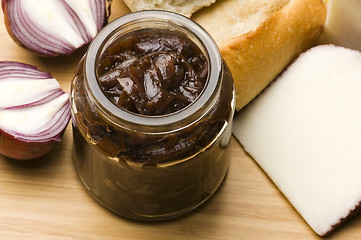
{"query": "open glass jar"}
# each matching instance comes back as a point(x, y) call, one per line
point(151, 167)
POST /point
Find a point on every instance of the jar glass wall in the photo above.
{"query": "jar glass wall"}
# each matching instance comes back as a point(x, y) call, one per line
point(151, 167)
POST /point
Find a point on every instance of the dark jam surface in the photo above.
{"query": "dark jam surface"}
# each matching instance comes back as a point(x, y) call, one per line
point(152, 73)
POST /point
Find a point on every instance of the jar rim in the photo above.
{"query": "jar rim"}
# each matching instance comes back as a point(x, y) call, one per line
point(214, 64)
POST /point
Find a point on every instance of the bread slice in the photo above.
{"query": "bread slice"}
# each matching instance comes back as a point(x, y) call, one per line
point(304, 131)
point(184, 7)
point(259, 38)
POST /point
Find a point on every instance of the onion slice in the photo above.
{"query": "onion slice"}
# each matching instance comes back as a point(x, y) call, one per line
point(55, 27)
point(34, 111)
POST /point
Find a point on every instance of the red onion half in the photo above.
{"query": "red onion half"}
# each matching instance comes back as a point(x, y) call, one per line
point(54, 27)
point(34, 111)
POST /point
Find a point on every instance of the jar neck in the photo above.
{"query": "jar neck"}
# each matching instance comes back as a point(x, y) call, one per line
point(153, 20)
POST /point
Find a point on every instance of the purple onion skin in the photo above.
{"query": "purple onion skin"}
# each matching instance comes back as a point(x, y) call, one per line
point(20, 150)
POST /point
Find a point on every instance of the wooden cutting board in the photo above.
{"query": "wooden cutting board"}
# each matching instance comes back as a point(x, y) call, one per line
point(44, 199)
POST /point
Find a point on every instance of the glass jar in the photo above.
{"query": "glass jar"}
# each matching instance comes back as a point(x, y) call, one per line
point(152, 167)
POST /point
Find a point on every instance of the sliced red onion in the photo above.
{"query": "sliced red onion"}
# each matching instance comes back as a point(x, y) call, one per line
point(34, 111)
point(55, 27)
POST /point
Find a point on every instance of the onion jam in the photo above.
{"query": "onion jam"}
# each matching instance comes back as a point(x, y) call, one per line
point(153, 73)
point(152, 108)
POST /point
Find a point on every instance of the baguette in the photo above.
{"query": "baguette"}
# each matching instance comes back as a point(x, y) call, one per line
point(259, 38)
point(184, 7)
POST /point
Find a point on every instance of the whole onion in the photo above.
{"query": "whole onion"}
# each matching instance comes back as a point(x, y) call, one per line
point(54, 27)
point(34, 111)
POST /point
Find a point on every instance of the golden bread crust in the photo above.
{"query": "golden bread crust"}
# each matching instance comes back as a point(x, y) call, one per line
point(255, 58)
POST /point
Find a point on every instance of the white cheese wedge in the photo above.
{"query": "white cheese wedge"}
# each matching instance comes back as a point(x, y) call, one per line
point(305, 132)
point(342, 25)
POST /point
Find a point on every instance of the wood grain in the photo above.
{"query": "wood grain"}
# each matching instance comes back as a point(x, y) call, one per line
point(44, 199)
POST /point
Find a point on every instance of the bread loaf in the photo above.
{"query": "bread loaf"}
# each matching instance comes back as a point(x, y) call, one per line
point(259, 38)
point(184, 7)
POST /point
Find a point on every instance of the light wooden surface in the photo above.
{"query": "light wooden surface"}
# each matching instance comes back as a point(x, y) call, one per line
point(44, 199)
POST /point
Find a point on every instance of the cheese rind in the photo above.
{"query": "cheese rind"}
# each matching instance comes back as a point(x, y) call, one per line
point(305, 132)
